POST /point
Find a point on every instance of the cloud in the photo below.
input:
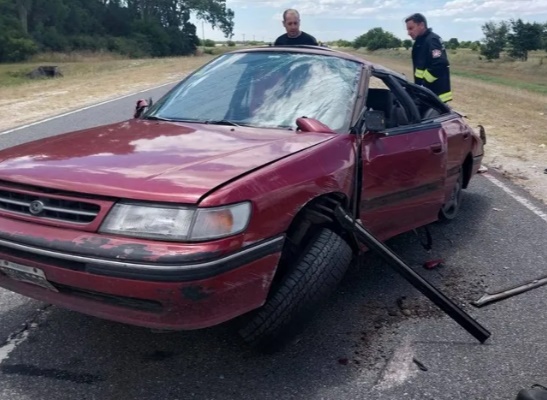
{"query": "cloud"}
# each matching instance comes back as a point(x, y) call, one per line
point(477, 19)
point(330, 8)
point(490, 8)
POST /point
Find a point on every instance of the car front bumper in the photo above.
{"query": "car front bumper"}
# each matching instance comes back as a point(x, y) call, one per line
point(173, 287)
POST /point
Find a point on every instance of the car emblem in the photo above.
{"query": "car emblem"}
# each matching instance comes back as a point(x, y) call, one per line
point(36, 207)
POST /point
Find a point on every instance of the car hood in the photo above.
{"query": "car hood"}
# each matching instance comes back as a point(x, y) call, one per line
point(149, 160)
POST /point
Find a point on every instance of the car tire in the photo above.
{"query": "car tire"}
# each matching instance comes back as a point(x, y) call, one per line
point(449, 211)
point(294, 300)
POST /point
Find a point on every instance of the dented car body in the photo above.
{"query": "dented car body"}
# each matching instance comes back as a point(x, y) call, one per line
point(217, 202)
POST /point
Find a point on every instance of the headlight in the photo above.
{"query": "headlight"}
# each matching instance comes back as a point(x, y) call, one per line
point(176, 223)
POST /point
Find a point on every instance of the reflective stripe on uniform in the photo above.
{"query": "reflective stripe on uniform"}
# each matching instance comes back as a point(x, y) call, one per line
point(428, 77)
point(419, 73)
point(445, 96)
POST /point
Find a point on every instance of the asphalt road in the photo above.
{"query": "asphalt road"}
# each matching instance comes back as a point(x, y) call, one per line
point(362, 346)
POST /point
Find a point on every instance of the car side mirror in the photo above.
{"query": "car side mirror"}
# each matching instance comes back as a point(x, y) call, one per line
point(141, 106)
point(375, 121)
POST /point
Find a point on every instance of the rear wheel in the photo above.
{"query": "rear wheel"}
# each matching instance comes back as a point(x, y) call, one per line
point(451, 208)
point(307, 283)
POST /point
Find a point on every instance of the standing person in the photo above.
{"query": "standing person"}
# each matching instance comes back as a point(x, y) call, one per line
point(294, 36)
point(429, 59)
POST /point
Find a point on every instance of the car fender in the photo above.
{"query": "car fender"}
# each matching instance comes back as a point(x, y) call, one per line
point(279, 191)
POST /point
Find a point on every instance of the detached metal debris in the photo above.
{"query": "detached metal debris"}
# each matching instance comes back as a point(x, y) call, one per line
point(506, 293)
point(444, 303)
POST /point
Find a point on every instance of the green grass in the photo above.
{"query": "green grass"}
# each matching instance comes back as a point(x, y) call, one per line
point(539, 87)
point(530, 75)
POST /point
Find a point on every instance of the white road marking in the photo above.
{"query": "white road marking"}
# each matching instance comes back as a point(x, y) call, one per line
point(86, 108)
point(400, 367)
point(12, 343)
point(525, 202)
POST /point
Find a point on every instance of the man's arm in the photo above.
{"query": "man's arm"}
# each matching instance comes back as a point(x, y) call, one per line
point(437, 60)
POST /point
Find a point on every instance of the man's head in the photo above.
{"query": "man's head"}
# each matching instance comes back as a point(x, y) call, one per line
point(416, 25)
point(291, 22)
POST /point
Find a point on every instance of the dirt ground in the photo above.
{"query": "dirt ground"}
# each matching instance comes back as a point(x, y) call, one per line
point(515, 120)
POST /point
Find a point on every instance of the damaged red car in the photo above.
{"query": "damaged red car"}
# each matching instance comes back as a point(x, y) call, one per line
point(216, 203)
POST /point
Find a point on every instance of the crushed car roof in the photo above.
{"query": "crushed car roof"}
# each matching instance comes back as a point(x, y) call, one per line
point(307, 49)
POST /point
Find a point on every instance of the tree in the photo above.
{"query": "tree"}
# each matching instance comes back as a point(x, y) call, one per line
point(342, 43)
point(208, 43)
point(23, 7)
point(544, 37)
point(475, 46)
point(377, 38)
point(495, 39)
point(131, 27)
point(407, 44)
point(524, 37)
point(452, 44)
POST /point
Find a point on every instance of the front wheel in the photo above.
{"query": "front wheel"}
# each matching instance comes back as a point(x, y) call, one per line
point(308, 282)
point(451, 208)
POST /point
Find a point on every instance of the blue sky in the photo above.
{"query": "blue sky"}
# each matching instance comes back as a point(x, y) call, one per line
point(347, 19)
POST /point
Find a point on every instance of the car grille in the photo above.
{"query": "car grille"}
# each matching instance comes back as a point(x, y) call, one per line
point(43, 206)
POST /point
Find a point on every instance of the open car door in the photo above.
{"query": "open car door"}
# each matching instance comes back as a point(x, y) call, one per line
point(404, 167)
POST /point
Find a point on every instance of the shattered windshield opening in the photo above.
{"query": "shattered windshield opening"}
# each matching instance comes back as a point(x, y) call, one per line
point(269, 90)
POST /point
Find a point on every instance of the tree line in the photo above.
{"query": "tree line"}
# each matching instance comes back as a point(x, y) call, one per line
point(515, 37)
point(135, 28)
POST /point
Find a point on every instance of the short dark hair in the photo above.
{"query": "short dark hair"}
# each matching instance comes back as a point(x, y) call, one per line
point(417, 18)
point(290, 10)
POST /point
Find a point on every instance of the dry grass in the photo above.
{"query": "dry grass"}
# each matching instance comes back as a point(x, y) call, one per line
point(85, 82)
point(515, 119)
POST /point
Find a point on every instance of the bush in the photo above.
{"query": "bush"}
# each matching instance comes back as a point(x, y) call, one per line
point(208, 43)
point(15, 49)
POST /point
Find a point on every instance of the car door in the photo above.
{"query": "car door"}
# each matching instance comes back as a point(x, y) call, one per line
point(457, 133)
point(404, 169)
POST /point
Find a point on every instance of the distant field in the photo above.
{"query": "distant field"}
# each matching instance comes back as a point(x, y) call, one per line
point(80, 65)
point(529, 75)
point(87, 78)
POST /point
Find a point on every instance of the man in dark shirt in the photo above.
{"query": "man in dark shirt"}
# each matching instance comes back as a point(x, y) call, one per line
point(294, 36)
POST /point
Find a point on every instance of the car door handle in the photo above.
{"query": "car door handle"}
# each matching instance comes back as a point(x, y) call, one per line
point(436, 148)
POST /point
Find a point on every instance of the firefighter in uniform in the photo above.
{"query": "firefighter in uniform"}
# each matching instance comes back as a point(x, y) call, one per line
point(429, 59)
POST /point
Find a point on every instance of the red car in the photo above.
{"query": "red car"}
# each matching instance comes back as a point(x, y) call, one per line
point(217, 202)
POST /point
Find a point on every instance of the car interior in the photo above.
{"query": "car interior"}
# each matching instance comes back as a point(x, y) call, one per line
point(383, 99)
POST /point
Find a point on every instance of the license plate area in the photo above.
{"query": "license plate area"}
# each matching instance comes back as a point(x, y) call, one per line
point(23, 273)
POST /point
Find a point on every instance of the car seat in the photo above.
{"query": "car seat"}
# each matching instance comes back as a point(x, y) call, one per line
point(384, 100)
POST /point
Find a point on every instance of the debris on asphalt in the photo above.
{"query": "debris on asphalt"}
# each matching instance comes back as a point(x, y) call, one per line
point(513, 291)
point(545, 171)
point(403, 307)
point(343, 361)
point(419, 364)
point(496, 209)
point(428, 245)
point(432, 264)
point(482, 169)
